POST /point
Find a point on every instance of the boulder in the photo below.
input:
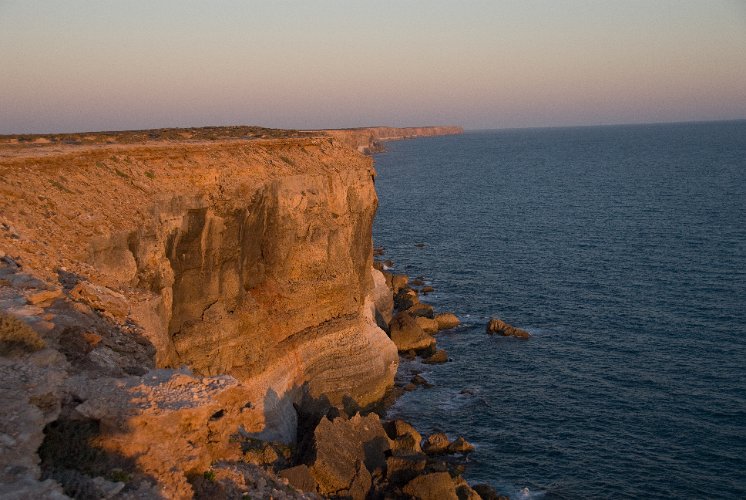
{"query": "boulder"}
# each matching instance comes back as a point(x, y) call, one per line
point(487, 492)
point(344, 453)
point(406, 439)
point(404, 298)
point(403, 468)
point(464, 491)
point(299, 477)
point(447, 321)
point(383, 303)
point(436, 444)
point(440, 356)
point(420, 309)
point(428, 325)
point(460, 445)
point(417, 282)
point(427, 289)
point(407, 334)
point(502, 328)
point(434, 486)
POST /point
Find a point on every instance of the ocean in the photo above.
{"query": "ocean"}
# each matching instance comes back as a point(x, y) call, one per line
point(622, 249)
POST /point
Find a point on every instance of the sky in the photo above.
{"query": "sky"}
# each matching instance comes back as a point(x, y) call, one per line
point(131, 64)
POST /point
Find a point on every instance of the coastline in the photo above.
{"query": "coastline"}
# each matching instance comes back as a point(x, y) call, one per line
point(143, 280)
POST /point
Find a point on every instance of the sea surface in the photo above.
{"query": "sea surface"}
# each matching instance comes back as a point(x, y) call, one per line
point(622, 249)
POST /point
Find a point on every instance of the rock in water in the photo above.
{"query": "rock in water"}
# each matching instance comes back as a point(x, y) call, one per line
point(502, 328)
point(460, 445)
point(440, 356)
point(447, 321)
point(436, 444)
point(435, 486)
point(407, 334)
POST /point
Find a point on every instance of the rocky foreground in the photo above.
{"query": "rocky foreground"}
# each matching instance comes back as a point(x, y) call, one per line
point(201, 317)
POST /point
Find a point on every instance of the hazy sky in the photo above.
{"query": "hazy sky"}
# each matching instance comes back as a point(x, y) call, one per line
point(101, 65)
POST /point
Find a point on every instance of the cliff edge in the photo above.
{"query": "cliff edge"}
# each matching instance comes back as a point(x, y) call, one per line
point(182, 297)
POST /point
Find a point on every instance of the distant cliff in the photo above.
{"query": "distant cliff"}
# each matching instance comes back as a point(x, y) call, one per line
point(370, 139)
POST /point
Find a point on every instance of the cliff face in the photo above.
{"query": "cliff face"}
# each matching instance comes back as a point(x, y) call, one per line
point(246, 259)
point(370, 140)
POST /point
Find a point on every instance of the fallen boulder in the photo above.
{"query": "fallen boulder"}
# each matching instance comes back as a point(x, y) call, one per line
point(436, 444)
point(345, 452)
point(447, 321)
point(407, 334)
point(434, 486)
point(460, 445)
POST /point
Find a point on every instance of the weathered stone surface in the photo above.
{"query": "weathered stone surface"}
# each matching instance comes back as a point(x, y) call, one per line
point(407, 334)
point(405, 438)
point(436, 444)
point(440, 356)
point(401, 469)
point(434, 486)
point(383, 300)
point(299, 477)
point(501, 328)
point(447, 321)
point(421, 310)
point(428, 325)
point(345, 451)
point(101, 299)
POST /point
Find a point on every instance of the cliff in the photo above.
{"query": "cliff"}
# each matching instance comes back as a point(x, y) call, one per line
point(179, 298)
point(370, 139)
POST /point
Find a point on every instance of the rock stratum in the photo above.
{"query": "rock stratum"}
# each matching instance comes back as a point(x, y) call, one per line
point(169, 296)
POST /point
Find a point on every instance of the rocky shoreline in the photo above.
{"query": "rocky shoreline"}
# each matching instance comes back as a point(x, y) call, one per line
point(185, 319)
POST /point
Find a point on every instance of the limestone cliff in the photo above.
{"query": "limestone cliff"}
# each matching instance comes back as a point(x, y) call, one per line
point(370, 139)
point(250, 259)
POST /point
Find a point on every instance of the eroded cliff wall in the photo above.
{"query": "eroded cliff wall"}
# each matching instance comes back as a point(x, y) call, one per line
point(247, 259)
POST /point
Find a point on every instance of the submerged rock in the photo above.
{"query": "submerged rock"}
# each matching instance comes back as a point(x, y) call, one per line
point(502, 328)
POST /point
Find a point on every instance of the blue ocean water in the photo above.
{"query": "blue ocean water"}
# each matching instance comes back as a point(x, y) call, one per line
point(623, 250)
